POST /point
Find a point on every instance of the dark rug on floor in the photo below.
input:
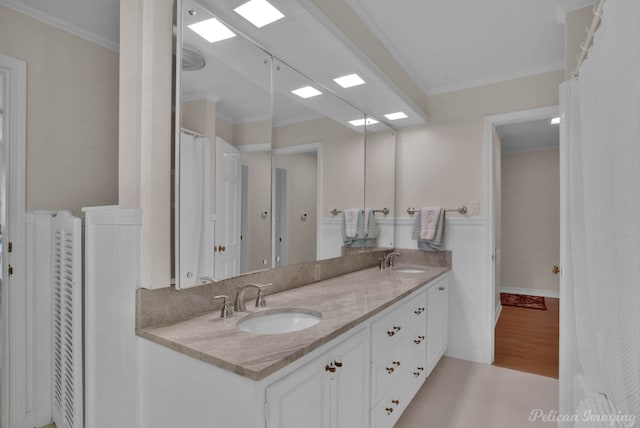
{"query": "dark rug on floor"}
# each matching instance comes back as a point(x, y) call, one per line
point(523, 301)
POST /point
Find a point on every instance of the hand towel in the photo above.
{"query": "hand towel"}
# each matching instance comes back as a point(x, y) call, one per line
point(372, 230)
point(437, 243)
point(429, 217)
point(350, 219)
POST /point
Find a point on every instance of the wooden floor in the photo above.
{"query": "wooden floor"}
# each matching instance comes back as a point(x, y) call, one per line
point(528, 339)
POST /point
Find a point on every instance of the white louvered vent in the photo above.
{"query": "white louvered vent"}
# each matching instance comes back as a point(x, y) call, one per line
point(67, 362)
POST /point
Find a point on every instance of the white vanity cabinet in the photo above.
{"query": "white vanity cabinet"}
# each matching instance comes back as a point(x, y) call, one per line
point(437, 319)
point(398, 359)
point(330, 391)
point(363, 378)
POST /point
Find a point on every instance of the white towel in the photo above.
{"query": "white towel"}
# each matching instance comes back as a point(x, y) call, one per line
point(351, 222)
point(429, 217)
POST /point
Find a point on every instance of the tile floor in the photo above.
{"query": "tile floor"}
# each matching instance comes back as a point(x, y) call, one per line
point(462, 394)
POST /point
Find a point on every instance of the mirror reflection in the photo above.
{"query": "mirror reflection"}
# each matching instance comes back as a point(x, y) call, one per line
point(380, 173)
point(272, 167)
point(318, 166)
point(224, 155)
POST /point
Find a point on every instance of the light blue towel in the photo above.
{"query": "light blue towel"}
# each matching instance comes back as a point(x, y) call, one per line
point(437, 243)
point(364, 238)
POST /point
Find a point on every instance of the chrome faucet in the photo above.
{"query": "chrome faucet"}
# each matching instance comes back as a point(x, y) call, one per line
point(388, 260)
point(239, 304)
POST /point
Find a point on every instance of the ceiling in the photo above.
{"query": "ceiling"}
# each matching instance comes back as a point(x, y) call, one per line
point(454, 44)
point(442, 45)
point(527, 136)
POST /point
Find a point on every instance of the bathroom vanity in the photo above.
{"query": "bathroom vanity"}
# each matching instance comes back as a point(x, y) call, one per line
point(381, 334)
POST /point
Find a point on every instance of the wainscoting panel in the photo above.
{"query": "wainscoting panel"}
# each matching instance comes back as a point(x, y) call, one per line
point(112, 274)
point(471, 312)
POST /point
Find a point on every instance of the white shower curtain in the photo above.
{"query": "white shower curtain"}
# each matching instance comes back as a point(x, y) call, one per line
point(601, 121)
point(196, 257)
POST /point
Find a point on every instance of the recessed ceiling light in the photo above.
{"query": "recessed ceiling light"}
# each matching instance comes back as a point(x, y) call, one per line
point(212, 30)
point(395, 116)
point(306, 92)
point(349, 80)
point(555, 121)
point(360, 122)
point(259, 12)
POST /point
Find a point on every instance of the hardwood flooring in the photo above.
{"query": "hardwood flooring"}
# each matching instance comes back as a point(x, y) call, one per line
point(528, 339)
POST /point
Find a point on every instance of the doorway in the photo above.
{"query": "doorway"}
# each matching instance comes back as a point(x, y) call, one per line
point(526, 241)
point(15, 378)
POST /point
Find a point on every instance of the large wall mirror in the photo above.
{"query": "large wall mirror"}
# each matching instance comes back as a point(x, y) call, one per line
point(266, 168)
point(224, 154)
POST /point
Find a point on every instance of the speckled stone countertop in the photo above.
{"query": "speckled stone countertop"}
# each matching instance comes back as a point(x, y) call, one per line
point(345, 301)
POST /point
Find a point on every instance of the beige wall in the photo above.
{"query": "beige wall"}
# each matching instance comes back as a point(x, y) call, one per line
point(72, 114)
point(530, 219)
point(576, 22)
point(301, 198)
point(342, 159)
point(380, 170)
point(442, 163)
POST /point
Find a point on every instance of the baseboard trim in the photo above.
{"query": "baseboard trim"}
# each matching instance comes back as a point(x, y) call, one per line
point(531, 292)
point(498, 312)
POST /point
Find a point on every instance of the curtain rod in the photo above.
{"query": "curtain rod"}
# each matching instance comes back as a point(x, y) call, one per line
point(584, 47)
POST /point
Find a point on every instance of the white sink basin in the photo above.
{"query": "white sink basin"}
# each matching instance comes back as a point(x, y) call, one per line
point(409, 270)
point(279, 320)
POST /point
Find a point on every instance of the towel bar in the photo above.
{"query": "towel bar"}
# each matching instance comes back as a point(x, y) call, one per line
point(461, 210)
point(384, 211)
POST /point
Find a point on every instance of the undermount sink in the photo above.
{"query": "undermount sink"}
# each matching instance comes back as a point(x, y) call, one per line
point(409, 270)
point(279, 320)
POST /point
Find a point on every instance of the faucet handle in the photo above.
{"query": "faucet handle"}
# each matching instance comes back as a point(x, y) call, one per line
point(225, 311)
point(260, 300)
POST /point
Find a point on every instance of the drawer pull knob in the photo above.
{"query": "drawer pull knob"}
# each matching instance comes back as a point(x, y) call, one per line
point(416, 374)
point(441, 288)
point(389, 370)
point(389, 410)
point(330, 368)
point(418, 311)
point(394, 330)
point(396, 402)
point(338, 363)
point(421, 369)
point(418, 340)
point(396, 363)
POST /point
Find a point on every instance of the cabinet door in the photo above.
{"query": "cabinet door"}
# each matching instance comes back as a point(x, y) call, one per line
point(301, 399)
point(437, 322)
point(350, 392)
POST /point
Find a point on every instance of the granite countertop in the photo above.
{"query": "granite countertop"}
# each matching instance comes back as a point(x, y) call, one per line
point(345, 301)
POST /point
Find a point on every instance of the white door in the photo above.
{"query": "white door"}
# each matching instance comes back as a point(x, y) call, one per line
point(227, 196)
point(301, 399)
point(350, 394)
point(17, 340)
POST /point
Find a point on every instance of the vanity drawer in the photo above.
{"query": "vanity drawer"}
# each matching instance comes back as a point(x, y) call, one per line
point(389, 369)
point(387, 412)
point(387, 331)
point(416, 312)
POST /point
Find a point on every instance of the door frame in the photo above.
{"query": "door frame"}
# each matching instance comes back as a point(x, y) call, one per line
point(490, 123)
point(297, 149)
point(14, 292)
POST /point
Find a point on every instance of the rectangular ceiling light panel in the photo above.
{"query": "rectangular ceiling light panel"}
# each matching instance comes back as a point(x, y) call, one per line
point(349, 80)
point(259, 12)
point(212, 30)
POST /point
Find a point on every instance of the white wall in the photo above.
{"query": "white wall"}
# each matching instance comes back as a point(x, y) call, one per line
point(530, 221)
point(72, 114)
